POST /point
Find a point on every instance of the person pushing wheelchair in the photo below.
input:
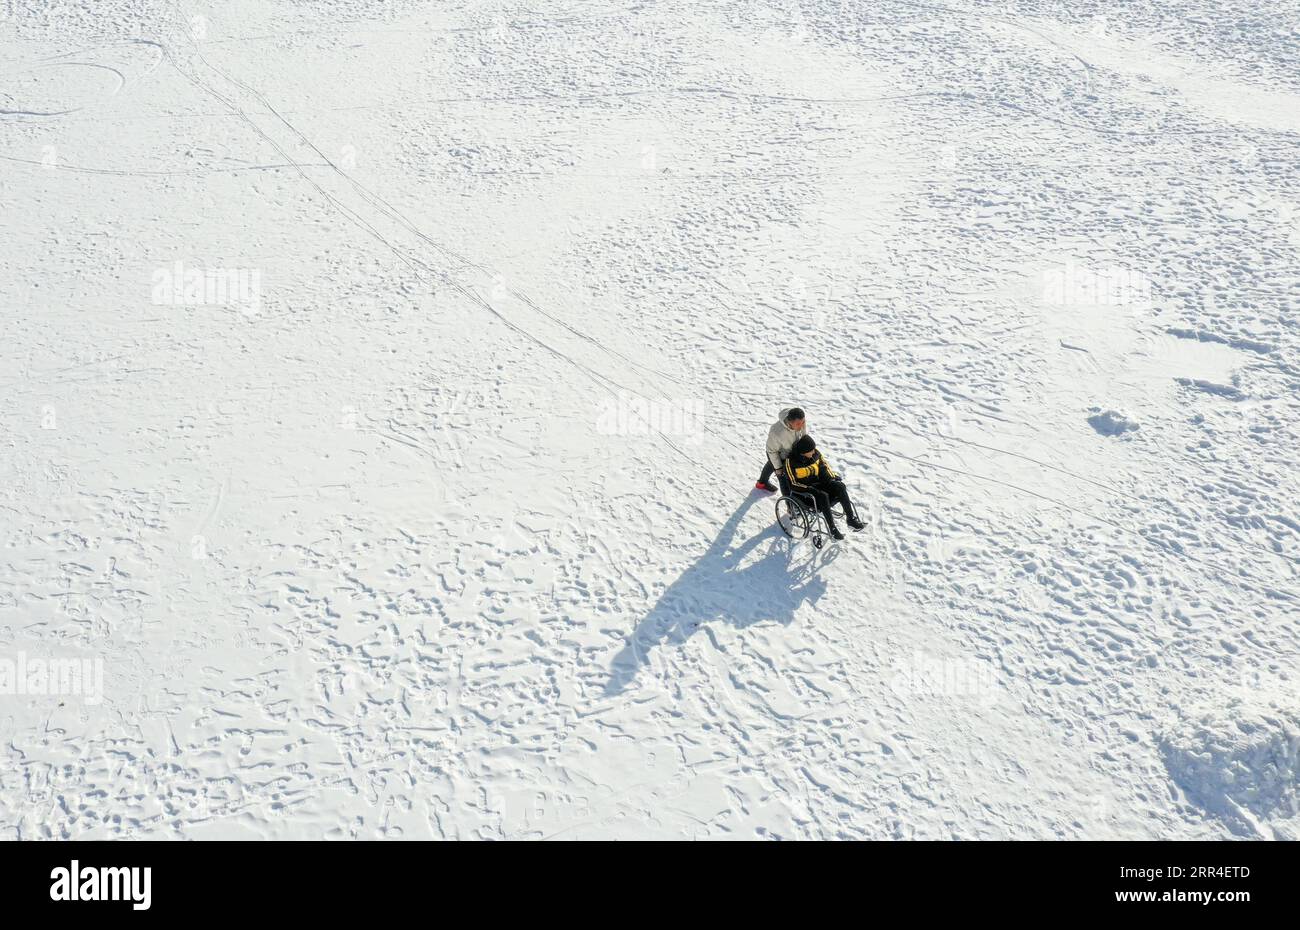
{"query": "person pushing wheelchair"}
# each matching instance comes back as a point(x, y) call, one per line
point(807, 473)
point(785, 432)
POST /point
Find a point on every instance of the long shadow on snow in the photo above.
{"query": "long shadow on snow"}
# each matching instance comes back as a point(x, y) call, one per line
point(717, 587)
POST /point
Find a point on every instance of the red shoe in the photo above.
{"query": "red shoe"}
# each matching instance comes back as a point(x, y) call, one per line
point(764, 486)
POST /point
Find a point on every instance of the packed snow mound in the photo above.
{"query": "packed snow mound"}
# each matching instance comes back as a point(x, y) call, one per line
point(1110, 422)
point(1240, 763)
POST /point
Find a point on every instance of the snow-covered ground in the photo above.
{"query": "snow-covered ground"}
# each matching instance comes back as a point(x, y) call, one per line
point(384, 384)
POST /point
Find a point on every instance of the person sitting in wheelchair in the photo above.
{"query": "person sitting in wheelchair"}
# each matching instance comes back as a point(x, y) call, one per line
point(807, 474)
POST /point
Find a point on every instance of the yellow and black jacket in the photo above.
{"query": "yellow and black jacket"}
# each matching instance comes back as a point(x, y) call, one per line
point(810, 474)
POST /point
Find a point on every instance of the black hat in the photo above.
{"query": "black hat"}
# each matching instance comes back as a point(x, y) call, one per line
point(793, 414)
point(804, 445)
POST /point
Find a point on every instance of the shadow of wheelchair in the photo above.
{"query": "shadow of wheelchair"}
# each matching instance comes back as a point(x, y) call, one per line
point(719, 587)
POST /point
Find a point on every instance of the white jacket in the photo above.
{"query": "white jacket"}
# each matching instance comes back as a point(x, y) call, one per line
point(781, 440)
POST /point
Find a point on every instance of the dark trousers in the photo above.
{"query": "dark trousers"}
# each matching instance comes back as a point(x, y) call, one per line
point(828, 493)
point(780, 477)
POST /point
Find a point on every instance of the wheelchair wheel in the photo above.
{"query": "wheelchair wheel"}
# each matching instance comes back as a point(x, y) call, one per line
point(793, 518)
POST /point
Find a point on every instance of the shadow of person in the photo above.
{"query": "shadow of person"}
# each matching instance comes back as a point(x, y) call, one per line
point(717, 586)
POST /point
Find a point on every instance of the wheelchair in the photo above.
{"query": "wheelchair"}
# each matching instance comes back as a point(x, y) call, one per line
point(799, 518)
